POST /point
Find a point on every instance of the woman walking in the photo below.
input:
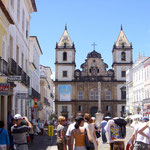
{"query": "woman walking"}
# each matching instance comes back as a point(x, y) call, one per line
point(91, 129)
point(78, 134)
point(61, 140)
point(4, 138)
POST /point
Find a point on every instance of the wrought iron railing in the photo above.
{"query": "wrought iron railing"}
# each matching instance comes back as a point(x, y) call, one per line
point(12, 66)
point(3, 66)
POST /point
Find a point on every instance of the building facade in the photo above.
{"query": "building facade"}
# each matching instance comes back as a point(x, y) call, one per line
point(15, 54)
point(5, 21)
point(77, 90)
point(34, 72)
point(138, 85)
point(47, 94)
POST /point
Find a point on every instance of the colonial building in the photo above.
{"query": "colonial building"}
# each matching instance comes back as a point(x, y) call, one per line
point(34, 72)
point(14, 63)
point(47, 94)
point(5, 21)
point(77, 90)
point(138, 89)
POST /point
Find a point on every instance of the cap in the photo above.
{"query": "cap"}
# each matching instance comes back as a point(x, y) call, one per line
point(145, 119)
point(18, 116)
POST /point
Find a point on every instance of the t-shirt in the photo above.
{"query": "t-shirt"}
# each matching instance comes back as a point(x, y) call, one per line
point(102, 125)
point(70, 128)
point(59, 128)
point(140, 137)
point(19, 133)
point(4, 138)
point(113, 131)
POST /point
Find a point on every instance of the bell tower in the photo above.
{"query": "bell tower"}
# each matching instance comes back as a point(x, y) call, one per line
point(65, 58)
point(122, 56)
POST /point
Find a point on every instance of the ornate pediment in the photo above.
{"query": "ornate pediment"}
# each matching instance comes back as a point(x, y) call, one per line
point(94, 54)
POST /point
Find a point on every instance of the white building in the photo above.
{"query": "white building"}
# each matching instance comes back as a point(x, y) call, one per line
point(146, 101)
point(47, 94)
point(18, 51)
point(129, 92)
point(139, 76)
point(34, 73)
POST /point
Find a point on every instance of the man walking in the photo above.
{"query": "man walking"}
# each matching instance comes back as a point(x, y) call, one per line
point(19, 132)
point(102, 125)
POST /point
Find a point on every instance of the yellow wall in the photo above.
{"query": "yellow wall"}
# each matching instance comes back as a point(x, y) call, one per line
point(2, 33)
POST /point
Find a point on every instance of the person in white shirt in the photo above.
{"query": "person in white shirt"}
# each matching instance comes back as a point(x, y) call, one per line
point(141, 136)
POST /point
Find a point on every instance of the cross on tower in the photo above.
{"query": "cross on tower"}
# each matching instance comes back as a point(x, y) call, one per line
point(94, 45)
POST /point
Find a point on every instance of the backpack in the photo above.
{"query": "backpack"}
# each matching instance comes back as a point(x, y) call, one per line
point(121, 122)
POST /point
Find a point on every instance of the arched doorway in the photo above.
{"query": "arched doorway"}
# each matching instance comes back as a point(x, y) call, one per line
point(93, 111)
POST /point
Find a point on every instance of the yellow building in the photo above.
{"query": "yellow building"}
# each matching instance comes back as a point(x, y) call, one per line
point(5, 21)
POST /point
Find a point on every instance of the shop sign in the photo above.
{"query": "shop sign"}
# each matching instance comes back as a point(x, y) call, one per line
point(4, 88)
point(22, 95)
point(13, 78)
point(35, 103)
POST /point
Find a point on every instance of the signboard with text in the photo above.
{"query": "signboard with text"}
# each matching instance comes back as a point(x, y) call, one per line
point(13, 78)
point(22, 95)
point(4, 88)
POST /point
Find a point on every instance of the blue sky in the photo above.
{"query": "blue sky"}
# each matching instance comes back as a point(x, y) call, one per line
point(91, 21)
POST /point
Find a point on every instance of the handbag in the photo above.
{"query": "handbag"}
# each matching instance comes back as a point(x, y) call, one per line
point(89, 145)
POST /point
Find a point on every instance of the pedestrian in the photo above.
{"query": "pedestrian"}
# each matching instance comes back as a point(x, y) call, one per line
point(19, 132)
point(4, 137)
point(116, 141)
point(10, 134)
point(91, 129)
point(31, 134)
point(78, 135)
point(61, 140)
point(103, 132)
point(141, 136)
point(69, 130)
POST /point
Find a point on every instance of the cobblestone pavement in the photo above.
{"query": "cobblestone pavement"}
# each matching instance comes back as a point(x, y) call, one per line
point(43, 142)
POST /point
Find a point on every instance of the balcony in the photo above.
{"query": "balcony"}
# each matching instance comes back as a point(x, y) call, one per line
point(19, 70)
point(24, 77)
point(35, 94)
point(27, 80)
point(3, 66)
point(12, 67)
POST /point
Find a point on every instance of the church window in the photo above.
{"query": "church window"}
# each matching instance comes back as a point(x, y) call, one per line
point(64, 56)
point(64, 73)
point(123, 56)
point(123, 73)
point(123, 93)
point(108, 95)
point(80, 95)
point(94, 94)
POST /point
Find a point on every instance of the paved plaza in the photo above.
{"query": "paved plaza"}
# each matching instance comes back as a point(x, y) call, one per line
point(43, 142)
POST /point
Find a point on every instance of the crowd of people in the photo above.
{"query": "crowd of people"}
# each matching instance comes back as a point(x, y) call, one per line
point(82, 134)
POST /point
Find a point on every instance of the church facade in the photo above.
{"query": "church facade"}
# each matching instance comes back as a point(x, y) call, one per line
point(77, 90)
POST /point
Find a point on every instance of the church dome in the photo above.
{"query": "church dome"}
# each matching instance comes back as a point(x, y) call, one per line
point(94, 54)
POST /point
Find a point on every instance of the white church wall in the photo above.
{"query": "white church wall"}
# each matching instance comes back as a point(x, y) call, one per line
point(60, 73)
point(128, 57)
point(69, 56)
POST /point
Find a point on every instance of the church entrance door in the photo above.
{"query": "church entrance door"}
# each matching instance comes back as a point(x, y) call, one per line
point(93, 111)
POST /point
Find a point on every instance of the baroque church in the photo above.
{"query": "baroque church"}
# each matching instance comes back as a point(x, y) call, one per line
point(76, 90)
